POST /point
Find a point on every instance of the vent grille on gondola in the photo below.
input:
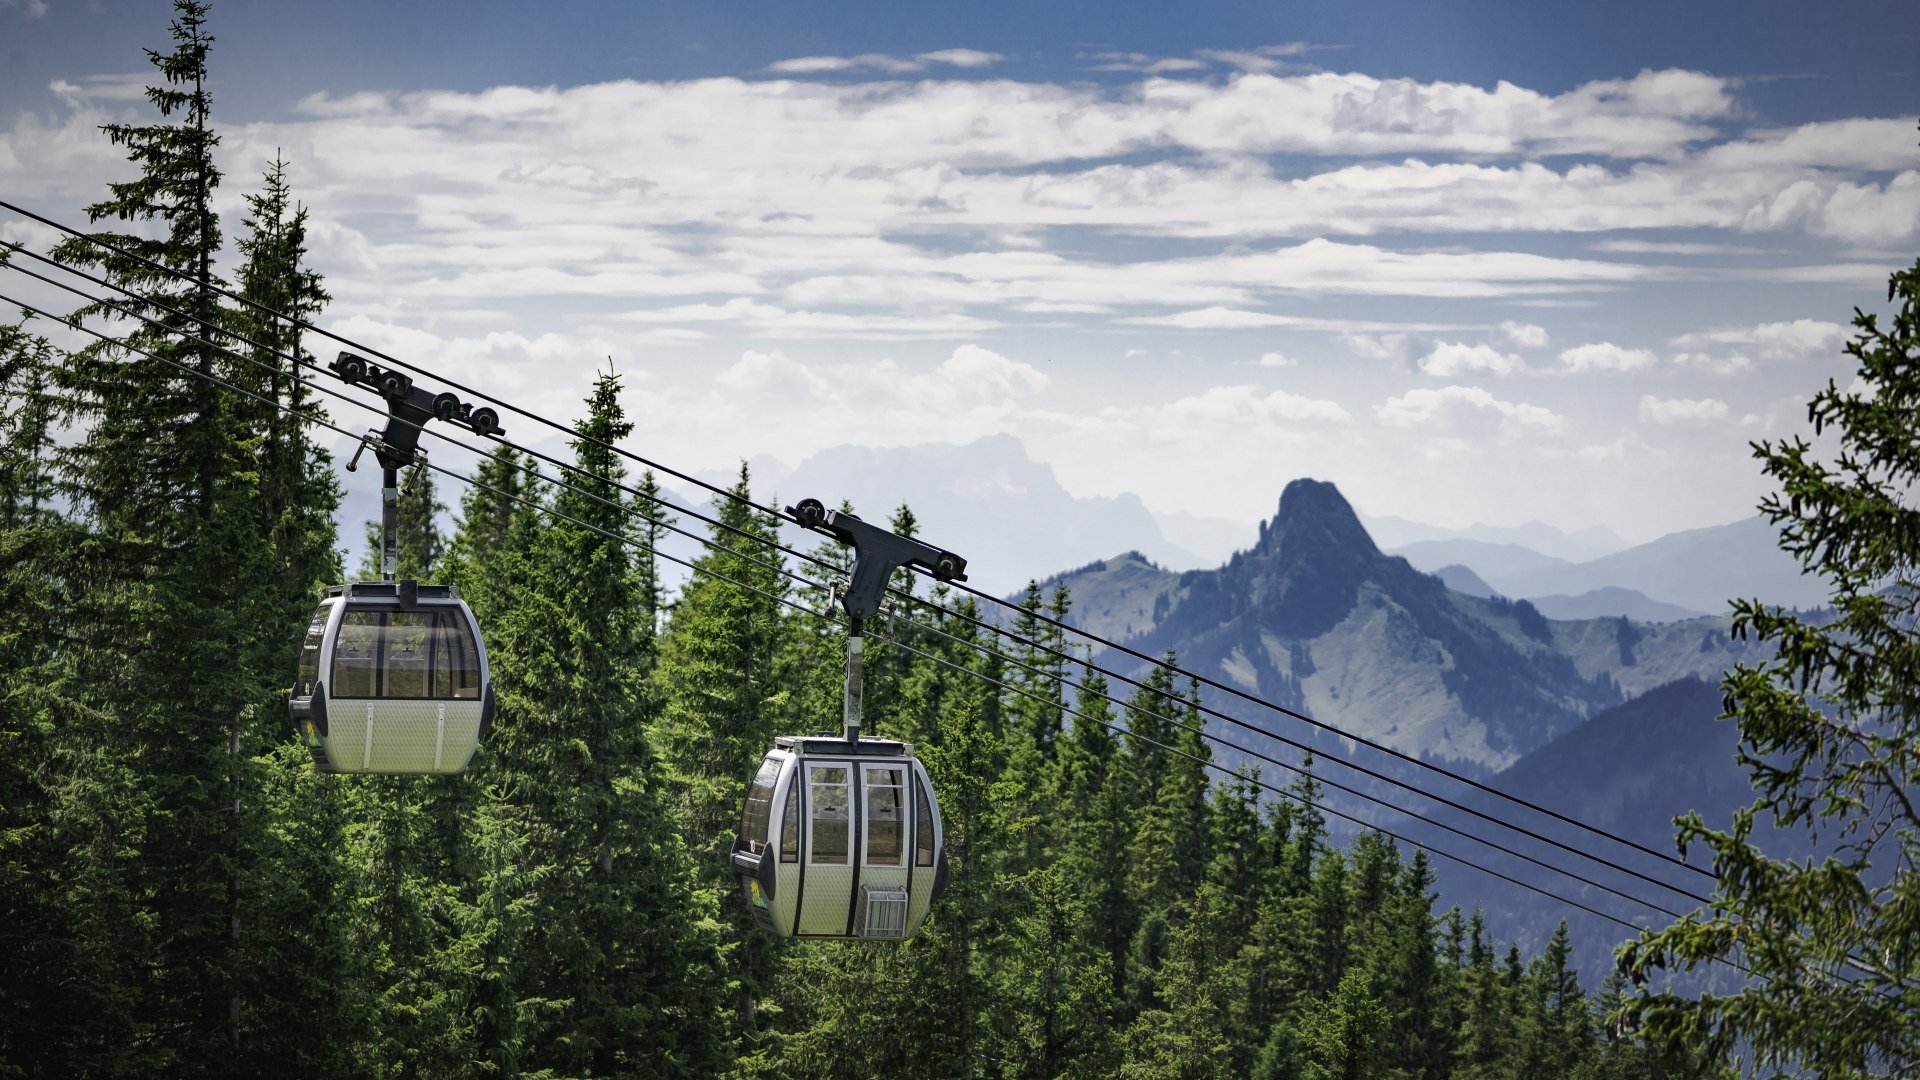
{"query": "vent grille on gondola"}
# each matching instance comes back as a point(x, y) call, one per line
point(883, 913)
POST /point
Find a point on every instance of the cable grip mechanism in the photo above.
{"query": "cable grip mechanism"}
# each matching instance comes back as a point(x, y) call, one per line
point(877, 553)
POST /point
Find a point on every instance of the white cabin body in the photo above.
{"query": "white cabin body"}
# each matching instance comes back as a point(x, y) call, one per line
point(393, 679)
point(840, 840)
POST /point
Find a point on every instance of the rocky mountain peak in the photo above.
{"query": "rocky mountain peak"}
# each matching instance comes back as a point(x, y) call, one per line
point(1315, 523)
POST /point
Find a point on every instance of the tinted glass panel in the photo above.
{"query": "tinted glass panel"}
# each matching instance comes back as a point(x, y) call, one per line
point(759, 808)
point(356, 655)
point(406, 654)
point(828, 795)
point(886, 815)
point(923, 828)
point(310, 653)
point(409, 642)
point(790, 825)
point(462, 657)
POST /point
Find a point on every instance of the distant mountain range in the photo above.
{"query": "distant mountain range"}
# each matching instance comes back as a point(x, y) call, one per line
point(993, 504)
point(1314, 617)
point(1010, 516)
point(1393, 533)
point(1699, 570)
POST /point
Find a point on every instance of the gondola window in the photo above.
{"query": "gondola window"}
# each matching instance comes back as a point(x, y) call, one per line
point(886, 805)
point(828, 841)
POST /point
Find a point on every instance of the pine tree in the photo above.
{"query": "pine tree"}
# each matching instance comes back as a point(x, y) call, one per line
point(1059, 995)
point(1827, 730)
point(177, 581)
point(1184, 1037)
point(494, 536)
point(722, 695)
point(1341, 1041)
point(619, 970)
point(37, 998)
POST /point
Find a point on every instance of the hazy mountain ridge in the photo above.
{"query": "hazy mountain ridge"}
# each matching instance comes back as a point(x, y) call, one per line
point(1698, 570)
point(1393, 533)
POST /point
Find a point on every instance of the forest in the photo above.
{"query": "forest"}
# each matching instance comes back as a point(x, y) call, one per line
point(182, 893)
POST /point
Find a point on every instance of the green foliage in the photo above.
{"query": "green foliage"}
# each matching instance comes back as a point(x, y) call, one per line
point(1829, 730)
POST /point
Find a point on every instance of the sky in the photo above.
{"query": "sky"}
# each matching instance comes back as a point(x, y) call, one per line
point(1478, 262)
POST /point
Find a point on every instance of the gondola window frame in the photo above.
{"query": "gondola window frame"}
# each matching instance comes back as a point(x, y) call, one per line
point(755, 827)
point(923, 826)
point(900, 808)
point(790, 820)
point(815, 806)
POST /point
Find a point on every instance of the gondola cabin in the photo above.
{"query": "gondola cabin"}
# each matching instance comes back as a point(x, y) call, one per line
point(392, 679)
point(840, 840)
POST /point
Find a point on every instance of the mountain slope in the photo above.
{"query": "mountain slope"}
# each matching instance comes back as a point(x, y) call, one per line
point(1628, 771)
point(1700, 569)
point(1314, 617)
point(1611, 600)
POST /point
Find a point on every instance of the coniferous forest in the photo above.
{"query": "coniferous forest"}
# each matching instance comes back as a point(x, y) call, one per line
point(182, 893)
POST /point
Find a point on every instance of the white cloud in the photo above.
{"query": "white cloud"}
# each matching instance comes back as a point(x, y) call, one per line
point(1669, 247)
point(1274, 359)
point(1856, 143)
point(33, 9)
point(882, 62)
point(1606, 356)
point(1264, 59)
point(1718, 363)
point(1797, 339)
point(1228, 403)
point(983, 368)
point(1216, 318)
point(1147, 65)
point(962, 58)
point(1655, 410)
point(819, 65)
point(1525, 335)
point(1465, 410)
point(1401, 347)
point(1451, 359)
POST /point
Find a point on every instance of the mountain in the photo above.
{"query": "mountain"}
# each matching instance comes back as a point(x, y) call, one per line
point(1592, 542)
point(1462, 580)
point(986, 500)
point(1700, 569)
point(1493, 562)
point(1611, 600)
point(1314, 617)
point(1629, 771)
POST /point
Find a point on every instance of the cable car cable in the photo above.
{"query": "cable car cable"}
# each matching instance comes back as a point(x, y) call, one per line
point(1086, 635)
point(985, 649)
point(1065, 682)
point(558, 515)
point(715, 489)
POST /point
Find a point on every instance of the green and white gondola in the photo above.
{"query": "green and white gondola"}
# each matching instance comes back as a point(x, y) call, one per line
point(840, 840)
point(392, 679)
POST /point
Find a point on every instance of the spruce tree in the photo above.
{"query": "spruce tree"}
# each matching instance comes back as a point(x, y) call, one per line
point(1828, 730)
point(179, 588)
point(722, 695)
point(621, 971)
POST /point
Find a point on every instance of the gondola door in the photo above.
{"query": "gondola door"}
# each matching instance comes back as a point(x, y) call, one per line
point(829, 835)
